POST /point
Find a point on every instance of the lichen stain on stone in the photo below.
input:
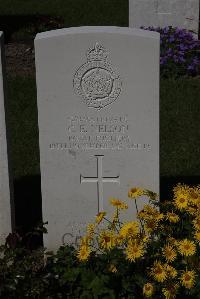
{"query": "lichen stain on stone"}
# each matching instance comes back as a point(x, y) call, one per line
point(72, 153)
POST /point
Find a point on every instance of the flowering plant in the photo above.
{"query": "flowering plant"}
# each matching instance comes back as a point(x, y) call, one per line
point(159, 251)
point(180, 52)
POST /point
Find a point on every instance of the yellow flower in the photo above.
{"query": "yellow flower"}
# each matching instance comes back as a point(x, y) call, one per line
point(150, 212)
point(85, 241)
point(148, 290)
point(100, 216)
point(171, 271)
point(150, 226)
point(90, 230)
point(186, 247)
point(158, 271)
point(188, 279)
point(106, 240)
point(172, 217)
point(83, 253)
point(112, 269)
point(169, 253)
point(173, 241)
point(181, 202)
point(129, 229)
point(159, 216)
point(134, 250)
point(119, 240)
point(118, 204)
point(141, 214)
point(170, 291)
point(181, 190)
point(191, 210)
point(197, 236)
point(196, 223)
point(194, 195)
point(145, 238)
point(135, 192)
point(181, 196)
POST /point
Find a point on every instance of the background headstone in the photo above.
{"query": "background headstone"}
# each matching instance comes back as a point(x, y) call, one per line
point(98, 113)
point(5, 202)
point(161, 13)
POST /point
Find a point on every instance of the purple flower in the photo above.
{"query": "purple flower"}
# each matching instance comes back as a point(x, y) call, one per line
point(181, 59)
point(163, 60)
point(176, 58)
point(171, 39)
point(178, 47)
point(165, 30)
point(183, 47)
point(190, 67)
point(196, 60)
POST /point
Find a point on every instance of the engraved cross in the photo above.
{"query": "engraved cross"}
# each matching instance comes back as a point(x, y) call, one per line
point(100, 179)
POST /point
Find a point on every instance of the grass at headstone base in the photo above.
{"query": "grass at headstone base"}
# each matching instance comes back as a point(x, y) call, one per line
point(23, 127)
point(179, 127)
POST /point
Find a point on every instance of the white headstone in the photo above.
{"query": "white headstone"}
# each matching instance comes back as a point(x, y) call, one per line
point(5, 206)
point(98, 109)
point(161, 13)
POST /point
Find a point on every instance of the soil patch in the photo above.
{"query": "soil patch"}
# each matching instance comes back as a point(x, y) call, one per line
point(25, 27)
point(19, 33)
point(20, 59)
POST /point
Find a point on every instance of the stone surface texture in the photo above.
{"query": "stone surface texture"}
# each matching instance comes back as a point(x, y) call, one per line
point(98, 113)
point(176, 13)
point(5, 207)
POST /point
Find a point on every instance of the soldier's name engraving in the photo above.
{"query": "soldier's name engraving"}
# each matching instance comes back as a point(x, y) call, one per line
point(85, 133)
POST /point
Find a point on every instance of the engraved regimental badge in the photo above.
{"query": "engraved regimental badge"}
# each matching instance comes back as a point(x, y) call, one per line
point(96, 81)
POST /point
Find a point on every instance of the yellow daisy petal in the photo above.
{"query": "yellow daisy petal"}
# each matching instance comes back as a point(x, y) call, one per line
point(100, 216)
point(106, 240)
point(169, 253)
point(130, 229)
point(135, 192)
point(197, 236)
point(172, 217)
point(118, 204)
point(186, 247)
point(83, 253)
point(188, 279)
point(158, 271)
point(134, 250)
point(148, 290)
point(170, 291)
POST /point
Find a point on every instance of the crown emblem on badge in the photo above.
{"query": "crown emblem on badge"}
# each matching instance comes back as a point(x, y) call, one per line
point(97, 53)
point(96, 81)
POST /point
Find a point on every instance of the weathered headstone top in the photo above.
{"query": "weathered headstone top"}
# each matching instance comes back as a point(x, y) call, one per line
point(5, 207)
point(161, 13)
point(98, 109)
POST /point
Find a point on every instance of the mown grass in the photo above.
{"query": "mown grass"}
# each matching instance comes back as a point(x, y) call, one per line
point(179, 127)
point(74, 12)
point(23, 126)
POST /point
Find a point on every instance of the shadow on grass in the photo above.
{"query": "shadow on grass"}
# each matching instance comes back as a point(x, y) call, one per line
point(27, 26)
point(28, 206)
